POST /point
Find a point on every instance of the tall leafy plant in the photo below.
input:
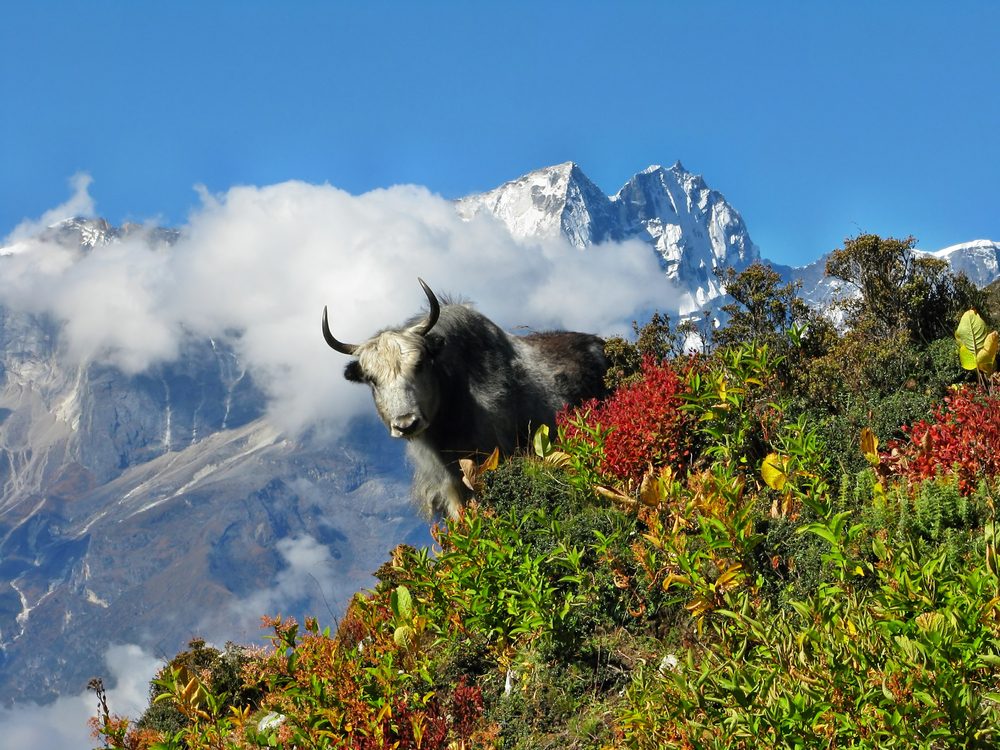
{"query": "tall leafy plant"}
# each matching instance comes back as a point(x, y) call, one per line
point(977, 345)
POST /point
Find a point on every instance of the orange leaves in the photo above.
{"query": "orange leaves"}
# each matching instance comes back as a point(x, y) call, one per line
point(473, 473)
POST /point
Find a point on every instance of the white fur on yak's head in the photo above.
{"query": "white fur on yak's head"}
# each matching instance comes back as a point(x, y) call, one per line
point(396, 364)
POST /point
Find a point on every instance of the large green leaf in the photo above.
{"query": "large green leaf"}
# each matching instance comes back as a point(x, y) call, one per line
point(986, 357)
point(972, 335)
point(401, 603)
point(977, 345)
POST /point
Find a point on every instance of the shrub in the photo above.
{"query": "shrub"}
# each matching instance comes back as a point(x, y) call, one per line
point(908, 663)
point(962, 436)
point(644, 422)
point(220, 671)
point(654, 339)
point(523, 487)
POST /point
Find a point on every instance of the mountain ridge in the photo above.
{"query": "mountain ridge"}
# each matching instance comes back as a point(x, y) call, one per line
point(692, 228)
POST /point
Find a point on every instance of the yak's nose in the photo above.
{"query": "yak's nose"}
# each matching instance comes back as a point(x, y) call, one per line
point(405, 424)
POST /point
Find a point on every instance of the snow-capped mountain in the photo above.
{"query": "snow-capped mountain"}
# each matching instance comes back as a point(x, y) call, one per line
point(559, 200)
point(693, 229)
point(979, 260)
point(690, 226)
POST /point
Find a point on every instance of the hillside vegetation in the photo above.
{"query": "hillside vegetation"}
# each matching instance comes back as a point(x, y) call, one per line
point(788, 540)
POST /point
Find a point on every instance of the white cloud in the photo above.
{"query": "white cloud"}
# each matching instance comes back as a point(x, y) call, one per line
point(308, 566)
point(63, 724)
point(310, 572)
point(263, 261)
point(79, 204)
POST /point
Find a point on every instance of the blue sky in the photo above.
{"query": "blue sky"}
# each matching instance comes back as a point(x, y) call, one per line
point(816, 120)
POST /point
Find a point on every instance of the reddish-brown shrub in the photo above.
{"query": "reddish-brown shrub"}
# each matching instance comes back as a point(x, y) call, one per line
point(962, 437)
point(466, 708)
point(647, 426)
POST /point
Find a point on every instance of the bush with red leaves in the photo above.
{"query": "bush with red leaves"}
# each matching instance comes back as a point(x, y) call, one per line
point(962, 438)
point(645, 422)
point(462, 712)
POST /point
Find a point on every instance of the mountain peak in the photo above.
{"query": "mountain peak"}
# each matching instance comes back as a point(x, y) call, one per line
point(559, 200)
point(979, 260)
point(566, 166)
point(692, 228)
point(676, 168)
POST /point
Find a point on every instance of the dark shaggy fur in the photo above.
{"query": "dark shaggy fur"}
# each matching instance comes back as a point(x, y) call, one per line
point(489, 389)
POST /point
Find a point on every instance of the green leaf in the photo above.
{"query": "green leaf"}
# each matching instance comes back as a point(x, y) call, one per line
point(971, 332)
point(404, 636)
point(977, 346)
point(820, 530)
point(966, 358)
point(401, 603)
point(543, 445)
point(879, 548)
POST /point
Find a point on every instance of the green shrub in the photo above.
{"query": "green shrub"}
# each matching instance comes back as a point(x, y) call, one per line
point(910, 662)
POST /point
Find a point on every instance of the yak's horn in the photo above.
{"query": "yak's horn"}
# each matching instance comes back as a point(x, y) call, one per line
point(424, 327)
point(339, 346)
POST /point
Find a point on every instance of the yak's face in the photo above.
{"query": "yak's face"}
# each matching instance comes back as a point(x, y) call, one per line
point(398, 366)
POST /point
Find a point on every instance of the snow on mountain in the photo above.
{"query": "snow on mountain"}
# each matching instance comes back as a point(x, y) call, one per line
point(691, 227)
point(559, 200)
point(979, 260)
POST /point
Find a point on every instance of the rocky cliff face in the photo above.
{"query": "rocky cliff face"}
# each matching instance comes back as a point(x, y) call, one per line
point(148, 508)
point(692, 228)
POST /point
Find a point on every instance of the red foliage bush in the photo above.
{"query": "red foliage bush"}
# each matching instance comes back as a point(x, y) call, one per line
point(647, 426)
point(962, 437)
point(461, 712)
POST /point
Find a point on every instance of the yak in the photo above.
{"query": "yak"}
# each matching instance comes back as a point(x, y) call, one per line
point(453, 384)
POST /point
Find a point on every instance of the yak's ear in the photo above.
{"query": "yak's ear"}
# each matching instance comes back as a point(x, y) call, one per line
point(435, 344)
point(353, 372)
